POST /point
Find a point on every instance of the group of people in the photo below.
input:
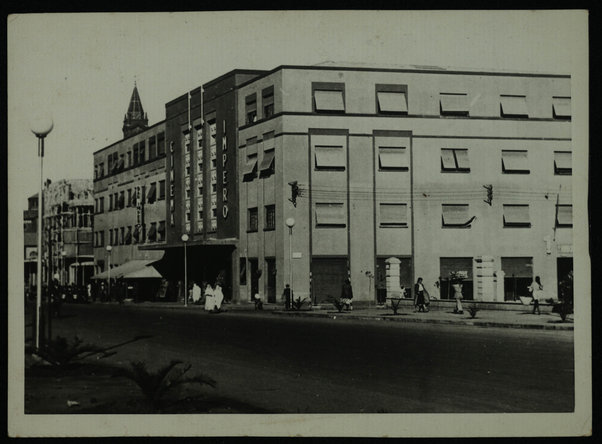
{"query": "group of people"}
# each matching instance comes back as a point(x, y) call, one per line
point(213, 296)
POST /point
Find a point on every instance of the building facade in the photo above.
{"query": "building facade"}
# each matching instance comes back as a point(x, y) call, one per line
point(67, 233)
point(130, 195)
point(446, 171)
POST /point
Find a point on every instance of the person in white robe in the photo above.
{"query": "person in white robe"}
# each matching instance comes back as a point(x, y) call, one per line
point(196, 293)
point(209, 300)
point(218, 297)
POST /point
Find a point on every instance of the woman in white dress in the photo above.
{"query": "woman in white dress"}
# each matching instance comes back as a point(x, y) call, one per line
point(218, 297)
point(196, 293)
point(209, 300)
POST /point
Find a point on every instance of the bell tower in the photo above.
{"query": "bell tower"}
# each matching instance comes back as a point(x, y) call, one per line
point(135, 120)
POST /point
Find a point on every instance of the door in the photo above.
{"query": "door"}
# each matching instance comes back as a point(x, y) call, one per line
point(254, 265)
point(564, 274)
point(271, 279)
point(328, 275)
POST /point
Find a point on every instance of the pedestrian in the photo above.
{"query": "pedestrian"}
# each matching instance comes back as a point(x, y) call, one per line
point(286, 295)
point(218, 296)
point(347, 295)
point(419, 296)
point(89, 291)
point(258, 302)
point(536, 289)
point(196, 293)
point(209, 304)
point(457, 286)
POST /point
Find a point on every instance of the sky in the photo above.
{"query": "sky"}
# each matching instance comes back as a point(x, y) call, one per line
point(81, 68)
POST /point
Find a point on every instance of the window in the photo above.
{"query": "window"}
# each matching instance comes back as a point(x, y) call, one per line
point(253, 221)
point(513, 106)
point(328, 97)
point(152, 232)
point(330, 157)
point(564, 216)
point(152, 193)
point(136, 154)
point(515, 162)
point(121, 236)
point(141, 153)
point(129, 202)
point(102, 238)
point(121, 164)
point(270, 217)
point(393, 215)
point(268, 102)
point(162, 189)
point(110, 162)
point(563, 163)
point(128, 236)
point(455, 216)
point(152, 147)
point(461, 265)
point(518, 275)
point(453, 104)
point(110, 202)
point(392, 158)
point(267, 164)
point(102, 205)
point(516, 216)
point(561, 107)
point(101, 169)
point(129, 159)
point(251, 108)
point(243, 271)
point(330, 215)
point(161, 231)
point(122, 199)
point(160, 144)
point(454, 160)
point(250, 169)
point(391, 99)
point(136, 235)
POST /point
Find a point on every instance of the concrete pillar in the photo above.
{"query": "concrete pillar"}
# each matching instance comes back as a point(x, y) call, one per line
point(484, 288)
point(499, 297)
point(392, 278)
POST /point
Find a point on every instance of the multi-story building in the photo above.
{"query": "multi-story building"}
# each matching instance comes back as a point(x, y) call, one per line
point(443, 170)
point(129, 197)
point(67, 233)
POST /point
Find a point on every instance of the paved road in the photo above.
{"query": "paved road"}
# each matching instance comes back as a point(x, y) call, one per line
point(304, 365)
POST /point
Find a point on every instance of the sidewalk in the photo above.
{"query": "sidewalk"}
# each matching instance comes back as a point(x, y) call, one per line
point(483, 318)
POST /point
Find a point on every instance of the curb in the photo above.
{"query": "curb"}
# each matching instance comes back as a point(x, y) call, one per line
point(427, 321)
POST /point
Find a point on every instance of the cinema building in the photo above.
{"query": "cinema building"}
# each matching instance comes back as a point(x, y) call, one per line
point(413, 172)
point(129, 202)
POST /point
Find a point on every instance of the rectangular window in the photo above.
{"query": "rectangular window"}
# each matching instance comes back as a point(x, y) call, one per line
point(110, 202)
point(250, 169)
point(129, 159)
point(152, 147)
point(251, 108)
point(267, 96)
point(253, 221)
point(141, 153)
point(561, 107)
point(515, 162)
point(392, 158)
point(136, 154)
point(455, 216)
point(102, 238)
point(161, 231)
point(516, 216)
point(121, 236)
point(121, 199)
point(330, 215)
point(270, 217)
point(121, 164)
point(454, 160)
point(563, 163)
point(128, 236)
point(330, 157)
point(152, 232)
point(161, 143)
point(454, 104)
point(110, 162)
point(391, 99)
point(328, 97)
point(393, 215)
point(513, 106)
point(564, 216)
point(152, 193)
point(162, 189)
point(267, 164)
point(102, 205)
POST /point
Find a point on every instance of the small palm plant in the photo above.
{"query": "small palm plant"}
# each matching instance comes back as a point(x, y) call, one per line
point(473, 310)
point(61, 352)
point(338, 304)
point(296, 304)
point(155, 384)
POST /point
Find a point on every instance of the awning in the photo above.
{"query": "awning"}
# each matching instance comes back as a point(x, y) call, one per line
point(131, 270)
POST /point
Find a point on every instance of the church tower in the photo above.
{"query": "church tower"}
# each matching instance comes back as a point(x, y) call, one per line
point(135, 120)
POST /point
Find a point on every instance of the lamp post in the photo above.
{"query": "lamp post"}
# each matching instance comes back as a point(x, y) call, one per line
point(41, 128)
point(185, 240)
point(109, 248)
point(290, 223)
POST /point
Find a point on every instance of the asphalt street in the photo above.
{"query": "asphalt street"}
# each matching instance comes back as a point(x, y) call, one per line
point(306, 365)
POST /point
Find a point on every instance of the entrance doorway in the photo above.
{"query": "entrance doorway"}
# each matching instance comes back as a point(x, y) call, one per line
point(564, 274)
point(254, 265)
point(328, 275)
point(271, 279)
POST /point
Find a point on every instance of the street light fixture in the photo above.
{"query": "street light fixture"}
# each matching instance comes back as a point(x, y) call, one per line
point(290, 223)
point(109, 249)
point(41, 128)
point(185, 240)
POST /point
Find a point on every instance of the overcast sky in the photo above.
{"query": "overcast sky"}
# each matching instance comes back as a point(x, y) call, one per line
point(82, 67)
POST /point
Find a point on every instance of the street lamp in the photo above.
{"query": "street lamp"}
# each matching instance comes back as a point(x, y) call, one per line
point(41, 128)
point(290, 223)
point(185, 240)
point(109, 248)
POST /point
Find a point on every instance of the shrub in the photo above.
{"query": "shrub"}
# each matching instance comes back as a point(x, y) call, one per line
point(563, 309)
point(154, 384)
point(395, 305)
point(338, 304)
point(473, 310)
point(296, 304)
point(60, 351)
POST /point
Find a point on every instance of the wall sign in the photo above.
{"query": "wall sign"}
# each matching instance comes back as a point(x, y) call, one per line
point(224, 172)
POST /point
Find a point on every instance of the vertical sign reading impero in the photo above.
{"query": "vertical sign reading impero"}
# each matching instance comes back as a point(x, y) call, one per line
point(224, 173)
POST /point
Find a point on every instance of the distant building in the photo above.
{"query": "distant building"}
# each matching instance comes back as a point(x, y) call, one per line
point(129, 200)
point(67, 233)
